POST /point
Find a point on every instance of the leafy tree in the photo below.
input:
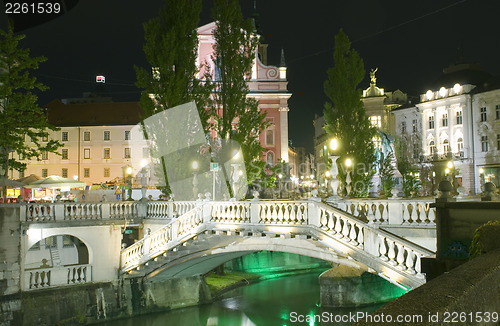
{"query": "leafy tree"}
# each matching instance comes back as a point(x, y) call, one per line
point(171, 47)
point(387, 173)
point(21, 119)
point(346, 118)
point(407, 168)
point(235, 115)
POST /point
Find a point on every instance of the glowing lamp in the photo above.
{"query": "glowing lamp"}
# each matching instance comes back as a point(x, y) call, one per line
point(450, 165)
point(429, 95)
point(333, 144)
point(348, 162)
point(195, 165)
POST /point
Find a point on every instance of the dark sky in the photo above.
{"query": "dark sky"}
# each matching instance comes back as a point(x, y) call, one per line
point(409, 41)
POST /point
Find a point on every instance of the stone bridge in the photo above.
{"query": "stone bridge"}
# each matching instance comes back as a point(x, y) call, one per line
point(177, 239)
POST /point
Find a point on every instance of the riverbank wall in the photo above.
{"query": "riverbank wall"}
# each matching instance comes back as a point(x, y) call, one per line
point(94, 303)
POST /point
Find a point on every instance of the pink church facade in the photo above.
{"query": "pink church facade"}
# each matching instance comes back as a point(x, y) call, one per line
point(268, 85)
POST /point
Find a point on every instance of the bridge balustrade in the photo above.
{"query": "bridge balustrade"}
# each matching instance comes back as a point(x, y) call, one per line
point(57, 276)
point(327, 224)
point(394, 212)
point(51, 212)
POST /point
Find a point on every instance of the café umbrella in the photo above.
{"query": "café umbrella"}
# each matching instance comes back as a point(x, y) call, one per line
point(55, 181)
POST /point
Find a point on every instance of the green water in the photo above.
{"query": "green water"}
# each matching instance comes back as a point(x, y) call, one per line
point(274, 302)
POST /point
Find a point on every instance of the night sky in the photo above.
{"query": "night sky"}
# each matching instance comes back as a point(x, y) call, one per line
point(409, 41)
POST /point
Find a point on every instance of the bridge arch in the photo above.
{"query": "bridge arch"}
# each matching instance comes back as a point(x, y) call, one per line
point(201, 256)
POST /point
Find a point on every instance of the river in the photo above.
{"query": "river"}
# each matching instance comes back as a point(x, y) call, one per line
point(291, 300)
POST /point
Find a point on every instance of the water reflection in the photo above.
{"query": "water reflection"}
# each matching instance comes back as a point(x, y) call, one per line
point(270, 302)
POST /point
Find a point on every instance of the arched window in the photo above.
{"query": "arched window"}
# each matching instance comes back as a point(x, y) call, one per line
point(270, 158)
point(460, 144)
point(432, 147)
point(446, 146)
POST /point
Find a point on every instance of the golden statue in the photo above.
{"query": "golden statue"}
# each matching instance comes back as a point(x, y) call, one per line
point(373, 79)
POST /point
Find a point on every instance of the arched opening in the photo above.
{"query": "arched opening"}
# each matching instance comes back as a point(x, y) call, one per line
point(57, 251)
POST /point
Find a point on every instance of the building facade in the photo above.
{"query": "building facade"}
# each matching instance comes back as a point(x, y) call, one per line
point(268, 85)
point(102, 139)
point(454, 130)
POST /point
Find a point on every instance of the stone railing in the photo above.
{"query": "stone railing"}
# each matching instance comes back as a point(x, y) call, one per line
point(415, 212)
point(163, 239)
point(57, 276)
point(52, 212)
point(169, 209)
point(370, 245)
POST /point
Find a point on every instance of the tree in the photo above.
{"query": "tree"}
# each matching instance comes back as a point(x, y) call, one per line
point(171, 47)
point(21, 119)
point(345, 115)
point(387, 173)
point(235, 115)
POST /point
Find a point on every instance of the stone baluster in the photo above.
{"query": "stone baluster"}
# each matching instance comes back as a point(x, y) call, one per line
point(400, 259)
point(345, 228)
point(410, 262)
point(391, 253)
point(352, 234)
point(382, 248)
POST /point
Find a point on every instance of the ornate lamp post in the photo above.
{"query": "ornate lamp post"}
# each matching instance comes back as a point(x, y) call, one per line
point(129, 172)
point(348, 164)
point(144, 163)
point(334, 171)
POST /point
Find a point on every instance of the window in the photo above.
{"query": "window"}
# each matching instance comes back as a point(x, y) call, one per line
point(64, 136)
point(86, 153)
point(67, 241)
point(64, 173)
point(459, 117)
point(484, 143)
point(127, 152)
point(445, 120)
point(270, 137)
point(498, 142)
point(431, 122)
point(145, 152)
point(86, 136)
point(376, 121)
point(86, 173)
point(106, 172)
point(415, 125)
point(45, 156)
point(21, 174)
point(45, 138)
point(460, 144)
point(51, 242)
point(483, 114)
point(127, 134)
point(497, 111)
point(446, 146)
point(432, 147)
point(270, 158)
point(403, 127)
point(64, 154)
point(107, 135)
point(44, 173)
point(416, 151)
point(107, 153)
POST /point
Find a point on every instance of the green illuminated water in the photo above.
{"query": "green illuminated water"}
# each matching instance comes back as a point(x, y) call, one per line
point(269, 302)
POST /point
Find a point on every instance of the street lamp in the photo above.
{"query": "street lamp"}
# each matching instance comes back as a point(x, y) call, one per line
point(129, 171)
point(348, 164)
point(334, 171)
point(144, 163)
